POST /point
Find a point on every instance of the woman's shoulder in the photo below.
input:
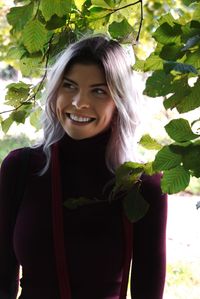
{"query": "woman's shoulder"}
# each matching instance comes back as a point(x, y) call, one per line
point(12, 159)
point(15, 158)
point(151, 181)
point(151, 186)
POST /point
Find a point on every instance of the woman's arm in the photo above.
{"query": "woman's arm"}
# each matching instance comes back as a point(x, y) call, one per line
point(9, 268)
point(149, 244)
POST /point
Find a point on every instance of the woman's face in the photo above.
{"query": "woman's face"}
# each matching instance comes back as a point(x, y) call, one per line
point(84, 105)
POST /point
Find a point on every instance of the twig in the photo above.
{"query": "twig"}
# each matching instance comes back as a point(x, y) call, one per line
point(29, 99)
point(141, 20)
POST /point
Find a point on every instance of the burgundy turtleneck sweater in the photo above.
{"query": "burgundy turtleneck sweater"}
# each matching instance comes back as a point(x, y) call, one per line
point(94, 236)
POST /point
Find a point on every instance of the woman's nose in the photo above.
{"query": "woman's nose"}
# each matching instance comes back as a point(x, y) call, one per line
point(80, 101)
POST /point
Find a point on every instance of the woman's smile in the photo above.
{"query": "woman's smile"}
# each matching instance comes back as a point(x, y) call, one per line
point(79, 119)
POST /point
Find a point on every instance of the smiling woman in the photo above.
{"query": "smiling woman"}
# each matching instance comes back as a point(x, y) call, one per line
point(112, 70)
point(71, 240)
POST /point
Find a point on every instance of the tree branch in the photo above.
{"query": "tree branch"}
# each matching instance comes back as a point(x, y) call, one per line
point(128, 5)
point(141, 20)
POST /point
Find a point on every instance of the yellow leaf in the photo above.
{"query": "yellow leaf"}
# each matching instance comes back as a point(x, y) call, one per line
point(79, 3)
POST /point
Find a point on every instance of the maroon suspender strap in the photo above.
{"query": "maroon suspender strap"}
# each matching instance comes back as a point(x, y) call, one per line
point(58, 230)
point(128, 234)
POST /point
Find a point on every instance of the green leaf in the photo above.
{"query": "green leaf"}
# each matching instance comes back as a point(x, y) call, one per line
point(79, 3)
point(179, 67)
point(195, 24)
point(100, 11)
point(148, 168)
point(59, 42)
point(35, 36)
point(190, 30)
point(180, 90)
point(166, 159)
point(134, 205)
point(58, 7)
point(192, 101)
point(74, 203)
point(180, 147)
point(19, 116)
point(191, 160)
point(159, 84)
point(180, 130)
point(102, 3)
point(120, 29)
point(97, 13)
point(157, 5)
point(19, 16)
point(6, 124)
point(127, 174)
point(139, 65)
point(191, 42)
point(171, 52)
point(35, 118)
point(55, 22)
point(152, 63)
point(167, 18)
point(149, 143)
point(175, 180)
point(193, 58)
point(196, 15)
point(32, 66)
point(166, 34)
point(16, 52)
point(188, 2)
point(18, 85)
point(112, 3)
point(17, 92)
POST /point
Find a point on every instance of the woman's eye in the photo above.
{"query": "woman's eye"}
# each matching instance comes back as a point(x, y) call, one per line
point(99, 91)
point(68, 85)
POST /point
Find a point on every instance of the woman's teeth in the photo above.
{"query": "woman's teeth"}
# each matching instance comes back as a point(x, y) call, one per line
point(80, 118)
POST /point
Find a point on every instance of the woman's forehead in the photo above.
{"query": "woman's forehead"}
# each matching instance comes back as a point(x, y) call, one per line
point(93, 72)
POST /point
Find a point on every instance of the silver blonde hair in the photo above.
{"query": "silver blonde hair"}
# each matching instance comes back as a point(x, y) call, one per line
point(110, 55)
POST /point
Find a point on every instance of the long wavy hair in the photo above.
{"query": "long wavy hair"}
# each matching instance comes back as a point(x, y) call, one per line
point(114, 60)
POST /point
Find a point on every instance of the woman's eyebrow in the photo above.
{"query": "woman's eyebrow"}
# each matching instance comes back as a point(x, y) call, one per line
point(99, 84)
point(93, 85)
point(71, 81)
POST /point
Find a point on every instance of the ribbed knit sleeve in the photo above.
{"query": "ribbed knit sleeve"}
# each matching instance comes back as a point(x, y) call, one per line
point(9, 268)
point(149, 244)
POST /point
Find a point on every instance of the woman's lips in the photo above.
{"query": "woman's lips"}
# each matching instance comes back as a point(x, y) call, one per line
point(80, 119)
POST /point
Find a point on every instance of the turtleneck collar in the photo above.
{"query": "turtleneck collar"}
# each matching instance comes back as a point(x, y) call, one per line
point(90, 145)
